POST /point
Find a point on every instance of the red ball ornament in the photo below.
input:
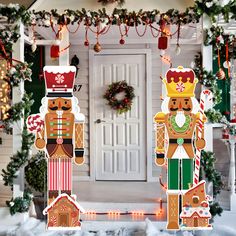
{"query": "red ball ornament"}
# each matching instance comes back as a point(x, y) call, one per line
point(126, 100)
point(122, 41)
point(86, 43)
point(220, 74)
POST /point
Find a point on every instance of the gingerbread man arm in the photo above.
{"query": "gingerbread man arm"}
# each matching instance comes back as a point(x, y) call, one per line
point(200, 143)
point(159, 119)
point(79, 139)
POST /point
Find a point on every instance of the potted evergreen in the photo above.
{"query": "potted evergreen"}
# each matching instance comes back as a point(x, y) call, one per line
point(36, 177)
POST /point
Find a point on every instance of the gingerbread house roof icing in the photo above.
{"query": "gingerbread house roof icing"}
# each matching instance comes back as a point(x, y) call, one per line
point(202, 210)
point(199, 185)
point(71, 199)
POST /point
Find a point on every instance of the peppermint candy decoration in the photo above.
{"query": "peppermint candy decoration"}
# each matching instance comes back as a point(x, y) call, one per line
point(60, 79)
point(180, 87)
point(35, 123)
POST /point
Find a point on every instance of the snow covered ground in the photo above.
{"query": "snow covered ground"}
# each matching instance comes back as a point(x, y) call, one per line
point(223, 226)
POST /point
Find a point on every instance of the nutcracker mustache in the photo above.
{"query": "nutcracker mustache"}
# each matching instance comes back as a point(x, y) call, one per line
point(180, 118)
point(65, 108)
point(53, 108)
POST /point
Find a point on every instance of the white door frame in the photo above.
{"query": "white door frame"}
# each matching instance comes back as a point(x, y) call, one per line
point(148, 106)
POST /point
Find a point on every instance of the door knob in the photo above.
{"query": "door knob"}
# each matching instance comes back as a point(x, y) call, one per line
point(98, 121)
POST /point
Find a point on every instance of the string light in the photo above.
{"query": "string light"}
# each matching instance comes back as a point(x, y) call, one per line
point(4, 90)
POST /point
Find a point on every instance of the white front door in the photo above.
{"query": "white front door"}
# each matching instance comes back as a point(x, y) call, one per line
point(120, 150)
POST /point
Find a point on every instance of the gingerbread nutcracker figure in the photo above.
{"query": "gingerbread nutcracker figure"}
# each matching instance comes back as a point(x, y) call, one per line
point(59, 130)
point(177, 136)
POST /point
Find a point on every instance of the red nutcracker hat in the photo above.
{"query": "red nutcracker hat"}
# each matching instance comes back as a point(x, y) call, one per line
point(59, 80)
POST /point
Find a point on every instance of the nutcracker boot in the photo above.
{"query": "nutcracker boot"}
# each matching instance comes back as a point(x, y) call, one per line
point(173, 211)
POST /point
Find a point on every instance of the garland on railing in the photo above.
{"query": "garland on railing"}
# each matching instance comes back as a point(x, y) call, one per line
point(220, 40)
point(18, 160)
point(19, 72)
point(207, 78)
point(18, 111)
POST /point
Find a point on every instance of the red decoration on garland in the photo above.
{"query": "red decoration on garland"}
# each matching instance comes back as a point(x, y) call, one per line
point(55, 51)
point(162, 42)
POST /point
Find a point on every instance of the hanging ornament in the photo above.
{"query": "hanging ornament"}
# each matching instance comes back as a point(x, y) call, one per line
point(122, 41)
point(54, 52)
point(33, 46)
point(97, 47)
point(177, 50)
point(227, 58)
point(220, 74)
point(226, 63)
point(162, 40)
point(86, 43)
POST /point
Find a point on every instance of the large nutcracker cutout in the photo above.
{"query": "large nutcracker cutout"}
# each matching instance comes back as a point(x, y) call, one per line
point(59, 131)
point(180, 127)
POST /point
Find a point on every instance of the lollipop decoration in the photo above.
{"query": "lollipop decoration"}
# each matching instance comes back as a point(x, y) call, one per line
point(35, 124)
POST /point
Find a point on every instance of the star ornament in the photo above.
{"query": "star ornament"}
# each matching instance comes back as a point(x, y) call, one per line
point(180, 87)
point(59, 79)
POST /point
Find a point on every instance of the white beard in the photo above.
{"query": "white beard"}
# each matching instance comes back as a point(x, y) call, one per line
point(59, 113)
point(180, 118)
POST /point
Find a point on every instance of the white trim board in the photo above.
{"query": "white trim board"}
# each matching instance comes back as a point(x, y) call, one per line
point(148, 105)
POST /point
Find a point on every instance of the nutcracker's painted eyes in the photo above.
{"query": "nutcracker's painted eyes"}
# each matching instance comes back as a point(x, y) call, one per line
point(53, 102)
point(65, 102)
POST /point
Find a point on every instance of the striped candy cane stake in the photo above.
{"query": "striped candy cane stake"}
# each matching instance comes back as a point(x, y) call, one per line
point(206, 95)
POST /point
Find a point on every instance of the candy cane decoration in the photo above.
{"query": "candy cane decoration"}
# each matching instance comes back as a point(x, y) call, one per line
point(206, 95)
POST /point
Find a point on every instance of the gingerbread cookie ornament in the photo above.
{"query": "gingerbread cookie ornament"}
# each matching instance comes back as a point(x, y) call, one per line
point(59, 131)
point(182, 123)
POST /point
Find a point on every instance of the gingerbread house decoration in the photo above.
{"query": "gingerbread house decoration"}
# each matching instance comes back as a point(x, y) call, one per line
point(64, 211)
point(195, 211)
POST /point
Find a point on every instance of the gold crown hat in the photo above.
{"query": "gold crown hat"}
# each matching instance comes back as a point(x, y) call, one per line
point(180, 82)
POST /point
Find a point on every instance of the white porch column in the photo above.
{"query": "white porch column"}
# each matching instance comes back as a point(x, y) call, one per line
point(207, 62)
point(64, 55)
point(17, 94)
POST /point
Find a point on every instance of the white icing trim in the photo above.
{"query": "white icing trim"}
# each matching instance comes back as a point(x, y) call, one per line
point(59, 69)
point(180, 70)
point(69, 198)
point(171, 191)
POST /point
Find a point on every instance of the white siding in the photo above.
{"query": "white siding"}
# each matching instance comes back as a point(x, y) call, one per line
point(5, 154)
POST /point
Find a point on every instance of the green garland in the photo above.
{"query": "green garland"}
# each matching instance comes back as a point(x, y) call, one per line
point(207, 78)
point(172, 16)
point(20, 204)
point(215, 116)
point(216, 37)
point(19, 72)
point(18, 111)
